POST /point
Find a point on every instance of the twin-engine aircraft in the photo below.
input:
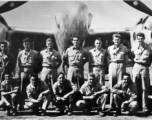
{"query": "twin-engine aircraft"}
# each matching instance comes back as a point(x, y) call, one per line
point(74, 18)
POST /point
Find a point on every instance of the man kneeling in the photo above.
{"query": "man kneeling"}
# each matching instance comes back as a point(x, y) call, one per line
point(93, 93)
point(66, 95)
point(38, 94)
point(125, 95)
point(9, 95)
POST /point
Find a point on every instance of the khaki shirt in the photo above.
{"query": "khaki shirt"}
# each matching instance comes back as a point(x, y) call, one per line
point(7, 87)
point(142, 54)
point(131, 90)
point(86, 90)
point(117, 54)
point(76, 57)
point(26, 59)
point(50, 59)
point(61, 90)
point(33, 92)
point(97, 57)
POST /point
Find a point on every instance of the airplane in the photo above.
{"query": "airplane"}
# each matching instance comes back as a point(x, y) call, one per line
point(66, 26)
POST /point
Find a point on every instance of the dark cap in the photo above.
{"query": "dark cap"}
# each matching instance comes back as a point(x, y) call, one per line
point(116, 35)
point(141, 34)
point(26, 40)
point(3, 42)
point(49, 40)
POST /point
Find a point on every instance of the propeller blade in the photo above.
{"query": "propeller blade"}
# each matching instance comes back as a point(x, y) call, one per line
point(11, 5)
point(139, 6)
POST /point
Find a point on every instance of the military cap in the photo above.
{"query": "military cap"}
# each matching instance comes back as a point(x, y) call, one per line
point(49, 40)
point(141, 34)
point(116, 35)
point(3, 42)
point(26, 40)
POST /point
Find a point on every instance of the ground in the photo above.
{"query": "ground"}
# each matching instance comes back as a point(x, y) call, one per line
point(53, 115)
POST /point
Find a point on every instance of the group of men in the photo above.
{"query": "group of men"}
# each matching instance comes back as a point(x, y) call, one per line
point(40, 82)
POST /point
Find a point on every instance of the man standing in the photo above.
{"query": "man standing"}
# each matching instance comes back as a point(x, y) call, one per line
point(7, 61)
point(97, 61)
point(117, 59)
point(142, 58)
point(9, 94)
point(125, 95)
point(37, 93)
point(51, 61)
point(93, 94)
point(75, 57)
point(26, 63)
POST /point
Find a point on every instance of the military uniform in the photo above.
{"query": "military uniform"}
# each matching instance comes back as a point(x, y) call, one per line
point(87, 90)
point(117, 63)
point(60, 91)
point(34, 92)
point(7, 64)
point(50, 63)
point(76, 58)
point(142, 61)
point(97, 64)
point(26, 62)
point(10, 99)
point(125, 96)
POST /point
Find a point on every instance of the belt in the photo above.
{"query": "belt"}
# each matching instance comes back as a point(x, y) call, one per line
point(117, 61)
point(50, 67)
point(76, 66)
point(26, 66)
point(99, 66)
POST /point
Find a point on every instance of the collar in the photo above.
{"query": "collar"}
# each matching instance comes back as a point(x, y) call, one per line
point(142, 46)
point(74, 48)
point(33, 87)
point(117, 47)
point(47, 51)
point(28, 52)
point(101, 49)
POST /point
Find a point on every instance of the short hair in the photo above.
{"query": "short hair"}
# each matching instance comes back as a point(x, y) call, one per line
point(61, 73)
point(6, 74)
point(126, 74)
point(26, 40)
point(140, 34)
point(98, 39)
point(91, 75)
point(49, 40)
point(3, 42)
point(117, 35)
point(34, 75)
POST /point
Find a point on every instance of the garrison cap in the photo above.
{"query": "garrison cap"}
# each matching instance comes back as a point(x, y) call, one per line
point(116, 35)
point(3, 42)
point(26, 40)
point(141, 34)
point(49, 40)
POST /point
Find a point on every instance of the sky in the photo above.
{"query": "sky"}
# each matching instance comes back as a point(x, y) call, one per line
point(106, 14)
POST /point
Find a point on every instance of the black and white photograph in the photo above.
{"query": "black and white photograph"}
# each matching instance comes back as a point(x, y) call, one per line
point(79, 60)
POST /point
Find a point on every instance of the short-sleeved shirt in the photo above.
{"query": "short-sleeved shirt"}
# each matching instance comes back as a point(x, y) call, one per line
point(33, 92)
point(50, 59)
point(130, 90)
point(76, 57)
point(97, 57)
point(10, 86)
point(61, 90)
point(26, 58)
point(142, 53)
point(117, 54)
point(86, 90)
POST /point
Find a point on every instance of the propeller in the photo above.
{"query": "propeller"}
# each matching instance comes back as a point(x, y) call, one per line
point(137, 4)
point(11, 5)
